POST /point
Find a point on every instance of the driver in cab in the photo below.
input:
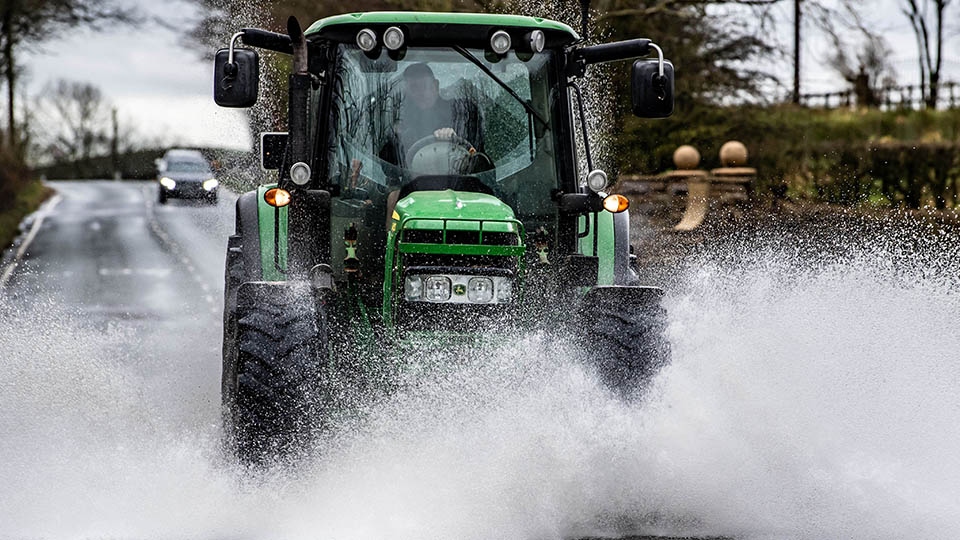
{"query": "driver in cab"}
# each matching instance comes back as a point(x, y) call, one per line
point(425, 117)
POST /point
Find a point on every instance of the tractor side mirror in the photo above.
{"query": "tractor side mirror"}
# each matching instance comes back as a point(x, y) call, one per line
point(236, 77)
point(651, 89)
point(272, 147)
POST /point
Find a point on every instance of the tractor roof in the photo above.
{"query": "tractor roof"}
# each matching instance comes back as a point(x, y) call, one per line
point(432, 28)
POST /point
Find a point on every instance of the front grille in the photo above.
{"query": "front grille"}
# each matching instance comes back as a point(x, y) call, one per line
point(460, 235)
point(460, 261)
point(500, 239)
point(462, 251)
point(463, 237)
point(416, 236)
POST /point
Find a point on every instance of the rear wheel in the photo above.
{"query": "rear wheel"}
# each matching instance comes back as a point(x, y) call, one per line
point(624, 330)
point(277, 386)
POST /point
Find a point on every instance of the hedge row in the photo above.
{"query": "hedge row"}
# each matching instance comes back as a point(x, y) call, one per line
point(909, 159)
point(889, 173)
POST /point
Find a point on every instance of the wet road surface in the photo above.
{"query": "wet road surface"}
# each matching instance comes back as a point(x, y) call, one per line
point(108, 259)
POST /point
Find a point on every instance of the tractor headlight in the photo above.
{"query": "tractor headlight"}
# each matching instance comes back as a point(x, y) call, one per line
point(210, 184)
point(437, 289)
point(300, 173)
point(480, 290)
point(458, 289)
point(597, 180)
point(504, 291)
point(168, 183)
point(413, 288)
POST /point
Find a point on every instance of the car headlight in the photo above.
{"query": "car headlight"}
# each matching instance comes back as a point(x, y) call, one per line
point(210, 184)
point(168, 183)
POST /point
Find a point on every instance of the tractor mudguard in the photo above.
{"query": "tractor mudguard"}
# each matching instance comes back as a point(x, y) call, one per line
point(309, 221)
point(248, 228)
point(635, 296)
point(242, 265)
point(623, 273)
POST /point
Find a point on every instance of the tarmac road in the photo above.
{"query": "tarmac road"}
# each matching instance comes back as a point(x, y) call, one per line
point(103, 257)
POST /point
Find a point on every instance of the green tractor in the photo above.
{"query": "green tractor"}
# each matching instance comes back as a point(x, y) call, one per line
point(429, 194)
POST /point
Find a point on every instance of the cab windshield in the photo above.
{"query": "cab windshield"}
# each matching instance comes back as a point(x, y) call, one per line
point(445, 117)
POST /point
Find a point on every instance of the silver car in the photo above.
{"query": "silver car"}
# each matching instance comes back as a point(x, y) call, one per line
point(185, 174)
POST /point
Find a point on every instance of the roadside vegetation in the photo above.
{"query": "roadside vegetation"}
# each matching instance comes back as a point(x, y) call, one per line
point(906, 158)
point(20, 194)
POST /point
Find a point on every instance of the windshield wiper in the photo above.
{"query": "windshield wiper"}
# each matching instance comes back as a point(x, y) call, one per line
point(476, 61)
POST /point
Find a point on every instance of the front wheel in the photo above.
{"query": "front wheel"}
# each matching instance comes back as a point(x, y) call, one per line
point(162, 198)
point(276, 393)
point(624, 331)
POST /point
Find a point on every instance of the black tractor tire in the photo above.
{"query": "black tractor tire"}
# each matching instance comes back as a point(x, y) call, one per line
point(276, 395)
point(624, 332)
point(234, 276)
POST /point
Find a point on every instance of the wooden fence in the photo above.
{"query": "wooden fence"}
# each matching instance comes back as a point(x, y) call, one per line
point(887, 98)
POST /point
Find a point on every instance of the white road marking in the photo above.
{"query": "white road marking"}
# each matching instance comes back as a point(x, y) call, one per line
point(151, 272)
point(41, 214)
point(176, 250)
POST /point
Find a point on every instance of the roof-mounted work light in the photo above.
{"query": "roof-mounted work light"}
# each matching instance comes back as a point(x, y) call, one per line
point(535, 40)
point(393, 38)
point(500, 42)
point(366, 40)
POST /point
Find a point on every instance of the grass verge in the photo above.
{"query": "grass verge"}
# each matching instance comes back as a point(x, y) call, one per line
point(26, 200)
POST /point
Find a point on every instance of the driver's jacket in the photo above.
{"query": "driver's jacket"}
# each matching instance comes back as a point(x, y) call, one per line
point(414, 124)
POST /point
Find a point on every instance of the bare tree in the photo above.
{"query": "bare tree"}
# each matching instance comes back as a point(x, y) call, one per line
point(29, 23)
point(869, 72)
point(926, 19)
point(74, 122)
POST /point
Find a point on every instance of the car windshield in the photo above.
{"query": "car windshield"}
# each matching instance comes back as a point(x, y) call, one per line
point(494, 122)
point(188, 166)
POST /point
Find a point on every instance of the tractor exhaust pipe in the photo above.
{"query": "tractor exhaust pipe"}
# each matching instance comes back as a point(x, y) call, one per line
point(584, 18)
point(299, 95)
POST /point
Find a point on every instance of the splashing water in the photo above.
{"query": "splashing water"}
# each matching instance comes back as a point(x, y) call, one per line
point(812, 395)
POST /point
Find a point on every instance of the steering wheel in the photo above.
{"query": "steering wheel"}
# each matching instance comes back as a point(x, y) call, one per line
point(457, 142)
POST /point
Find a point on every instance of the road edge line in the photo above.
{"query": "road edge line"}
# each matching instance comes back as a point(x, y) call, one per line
point(40, 215)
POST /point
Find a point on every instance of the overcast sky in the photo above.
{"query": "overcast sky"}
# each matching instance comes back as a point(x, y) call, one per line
point(159, 86)
point(165, 89)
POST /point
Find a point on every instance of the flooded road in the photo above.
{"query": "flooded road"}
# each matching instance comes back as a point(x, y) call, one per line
point(813, 394)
